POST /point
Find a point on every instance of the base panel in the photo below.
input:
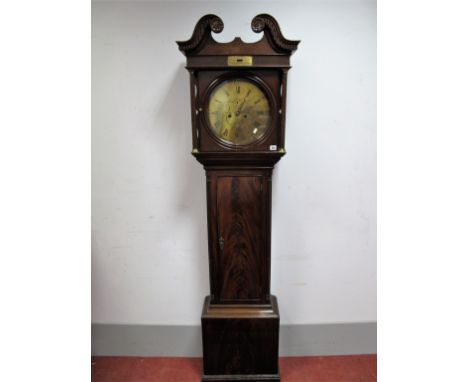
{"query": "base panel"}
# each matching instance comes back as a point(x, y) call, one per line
point(241, 377)
point(240, 342)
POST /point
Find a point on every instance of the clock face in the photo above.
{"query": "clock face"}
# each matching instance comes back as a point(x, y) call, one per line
point(238, 112)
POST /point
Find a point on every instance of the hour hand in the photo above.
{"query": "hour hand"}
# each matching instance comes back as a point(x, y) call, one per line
point(242, 103)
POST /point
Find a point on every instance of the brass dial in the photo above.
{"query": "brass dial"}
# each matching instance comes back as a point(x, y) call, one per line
point(238, 111)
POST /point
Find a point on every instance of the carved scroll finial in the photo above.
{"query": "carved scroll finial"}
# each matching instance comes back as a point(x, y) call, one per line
point(266, 23)
point(201, 32)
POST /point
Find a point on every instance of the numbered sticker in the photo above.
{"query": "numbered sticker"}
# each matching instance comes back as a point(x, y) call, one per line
point(273, 148)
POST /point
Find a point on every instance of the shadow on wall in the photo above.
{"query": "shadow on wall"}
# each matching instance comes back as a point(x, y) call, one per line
point(187, 177)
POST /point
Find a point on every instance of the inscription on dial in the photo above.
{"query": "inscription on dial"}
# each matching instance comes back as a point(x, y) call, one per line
point(238, 112)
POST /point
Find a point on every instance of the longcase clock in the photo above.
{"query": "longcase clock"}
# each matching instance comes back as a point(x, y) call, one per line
point(238, 107)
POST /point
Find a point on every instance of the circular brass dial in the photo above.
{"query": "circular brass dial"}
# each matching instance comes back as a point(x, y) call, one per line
point(238, 111)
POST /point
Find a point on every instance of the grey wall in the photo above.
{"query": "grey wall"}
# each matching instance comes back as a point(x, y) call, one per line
point(148, 193)
point(295, 340)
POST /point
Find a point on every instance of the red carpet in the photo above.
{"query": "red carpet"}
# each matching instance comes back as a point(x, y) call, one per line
point(354, 368)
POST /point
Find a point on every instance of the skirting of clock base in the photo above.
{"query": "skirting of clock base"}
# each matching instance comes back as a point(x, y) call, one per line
point(240, 342)
point(231, 378)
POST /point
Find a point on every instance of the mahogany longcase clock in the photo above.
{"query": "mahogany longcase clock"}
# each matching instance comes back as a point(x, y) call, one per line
point(238, 103)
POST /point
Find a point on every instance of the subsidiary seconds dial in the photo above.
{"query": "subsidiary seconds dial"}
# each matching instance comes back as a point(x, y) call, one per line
point(238, 112)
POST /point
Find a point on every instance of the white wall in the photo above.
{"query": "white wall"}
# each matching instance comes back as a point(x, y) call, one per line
point(149, 240)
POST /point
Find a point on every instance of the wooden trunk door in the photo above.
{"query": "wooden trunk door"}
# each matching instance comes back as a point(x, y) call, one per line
point(242, 258)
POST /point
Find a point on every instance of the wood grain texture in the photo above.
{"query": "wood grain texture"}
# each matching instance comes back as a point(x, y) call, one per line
point(240, 229)
point(241, 343)
point(239, 205)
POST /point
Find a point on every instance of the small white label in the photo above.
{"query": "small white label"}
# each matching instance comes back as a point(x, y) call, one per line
point(273, 148)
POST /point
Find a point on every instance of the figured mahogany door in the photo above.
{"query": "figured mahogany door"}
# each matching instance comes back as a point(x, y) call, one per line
point(240, 225)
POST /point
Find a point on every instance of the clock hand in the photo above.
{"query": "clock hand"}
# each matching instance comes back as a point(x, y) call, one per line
point(242, 104)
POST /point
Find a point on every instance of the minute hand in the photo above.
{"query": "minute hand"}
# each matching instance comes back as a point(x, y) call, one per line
point(242, 104)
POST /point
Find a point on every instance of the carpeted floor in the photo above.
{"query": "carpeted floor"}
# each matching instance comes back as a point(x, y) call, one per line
point(354, 368)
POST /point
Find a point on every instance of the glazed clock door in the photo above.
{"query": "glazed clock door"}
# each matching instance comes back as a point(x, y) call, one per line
point(239, 112)
point(240, 226)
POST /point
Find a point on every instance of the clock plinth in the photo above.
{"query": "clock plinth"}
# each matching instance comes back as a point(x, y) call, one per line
point(240, 341)
point(238, 99)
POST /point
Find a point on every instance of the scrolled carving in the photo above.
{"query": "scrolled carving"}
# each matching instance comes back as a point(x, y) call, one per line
point(258, 24)
point(268, 24)
point(216, 24)
point(202, 32)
